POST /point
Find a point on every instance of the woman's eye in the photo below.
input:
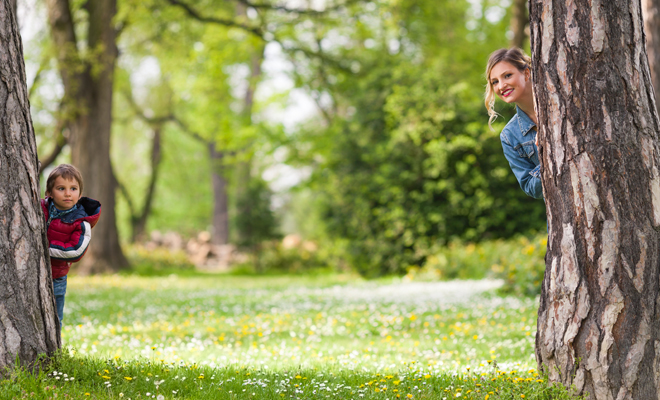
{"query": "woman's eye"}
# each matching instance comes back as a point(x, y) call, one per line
point(507, 75)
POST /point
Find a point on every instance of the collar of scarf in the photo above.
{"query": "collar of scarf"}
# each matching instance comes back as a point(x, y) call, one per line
point(54, 213)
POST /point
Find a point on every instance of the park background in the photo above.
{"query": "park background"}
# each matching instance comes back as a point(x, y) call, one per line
point(284, 171)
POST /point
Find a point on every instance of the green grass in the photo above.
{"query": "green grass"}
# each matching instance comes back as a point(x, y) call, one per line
point(229, 337)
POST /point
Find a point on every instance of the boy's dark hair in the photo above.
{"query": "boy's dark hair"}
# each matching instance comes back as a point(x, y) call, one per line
point(66, 171)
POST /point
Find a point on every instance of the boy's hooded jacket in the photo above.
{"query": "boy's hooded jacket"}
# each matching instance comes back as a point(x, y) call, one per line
point(69, 236)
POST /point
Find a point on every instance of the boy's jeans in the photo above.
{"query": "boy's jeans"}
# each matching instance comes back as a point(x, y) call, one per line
point(59, 289)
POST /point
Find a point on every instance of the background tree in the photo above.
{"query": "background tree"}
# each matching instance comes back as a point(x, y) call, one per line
point(598, 325)
point(87, 75)
point(519, 23)
point(28, 321)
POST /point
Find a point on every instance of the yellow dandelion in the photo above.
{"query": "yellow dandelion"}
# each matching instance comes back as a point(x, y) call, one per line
point(105, 377)
point(128, 378)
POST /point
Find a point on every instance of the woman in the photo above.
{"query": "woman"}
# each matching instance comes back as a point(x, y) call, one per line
point(509, 77)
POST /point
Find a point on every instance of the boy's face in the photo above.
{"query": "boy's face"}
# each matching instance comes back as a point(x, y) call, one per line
point(65, 193)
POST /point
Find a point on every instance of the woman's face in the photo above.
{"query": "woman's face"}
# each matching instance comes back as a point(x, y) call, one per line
point(509, 83)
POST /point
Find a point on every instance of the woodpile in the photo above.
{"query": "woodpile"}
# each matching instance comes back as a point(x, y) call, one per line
point(201, 252)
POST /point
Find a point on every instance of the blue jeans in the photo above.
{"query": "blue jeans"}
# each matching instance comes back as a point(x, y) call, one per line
point(59, 290)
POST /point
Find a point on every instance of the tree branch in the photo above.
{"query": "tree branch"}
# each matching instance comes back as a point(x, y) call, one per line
point(37, 77)
point(60, 142)
point(301, 11)
point(220, 21)
point(141, 114)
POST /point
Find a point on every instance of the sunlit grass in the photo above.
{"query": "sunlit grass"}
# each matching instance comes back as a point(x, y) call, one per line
point(285, 323)
point(334, 337)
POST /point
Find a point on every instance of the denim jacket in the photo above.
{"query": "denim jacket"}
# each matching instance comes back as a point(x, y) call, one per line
point(518, 139)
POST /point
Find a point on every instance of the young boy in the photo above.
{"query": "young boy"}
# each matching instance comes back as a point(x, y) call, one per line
point(69, 222)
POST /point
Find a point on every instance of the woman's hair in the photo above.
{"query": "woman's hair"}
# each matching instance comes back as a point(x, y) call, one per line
point(514, 56)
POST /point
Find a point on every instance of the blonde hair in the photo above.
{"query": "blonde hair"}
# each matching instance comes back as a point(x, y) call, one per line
point(514, 56)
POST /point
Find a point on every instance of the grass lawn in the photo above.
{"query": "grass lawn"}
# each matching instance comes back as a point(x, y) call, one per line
point(338, 337)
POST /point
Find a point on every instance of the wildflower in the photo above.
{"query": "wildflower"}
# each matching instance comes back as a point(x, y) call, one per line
point(128, 378)
point(160, 397)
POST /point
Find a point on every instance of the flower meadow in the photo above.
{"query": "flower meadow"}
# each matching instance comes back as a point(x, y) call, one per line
point(334, 337)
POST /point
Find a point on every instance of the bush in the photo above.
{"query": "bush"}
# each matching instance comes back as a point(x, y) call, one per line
point(519, 262)
point(157, 262)
point(523, 270)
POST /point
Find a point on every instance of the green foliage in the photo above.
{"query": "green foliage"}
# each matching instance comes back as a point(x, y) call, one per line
point(524, 268)
point(255, 221)
point(412, 169)
point(519, 262)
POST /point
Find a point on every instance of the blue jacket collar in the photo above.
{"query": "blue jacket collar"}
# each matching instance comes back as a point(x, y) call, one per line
point(525, 123)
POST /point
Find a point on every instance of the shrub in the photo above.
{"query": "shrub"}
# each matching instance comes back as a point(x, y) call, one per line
point(519, 262)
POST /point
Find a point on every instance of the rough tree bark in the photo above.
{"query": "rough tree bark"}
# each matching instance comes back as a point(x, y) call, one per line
point(28, 324)
point(599, 317)
point(651, 13)
point(88, 86)
point(519, 22)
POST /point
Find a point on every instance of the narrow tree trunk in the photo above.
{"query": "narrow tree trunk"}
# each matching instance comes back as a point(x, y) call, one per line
point(139, 222)
point(220, 203)
point(28, 321)
point(88, 91)
point(519, 21)
point(651, 13)
point(243, 171)
point(599, 317)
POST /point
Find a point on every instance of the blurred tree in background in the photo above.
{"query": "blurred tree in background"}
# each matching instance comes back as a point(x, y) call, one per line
point(397, 161)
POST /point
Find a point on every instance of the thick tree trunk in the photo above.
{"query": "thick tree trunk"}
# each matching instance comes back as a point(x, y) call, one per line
point(88, 91)
point(220, 204)
point(28, 321)
point(651, 13)
point(519, 22)
point(599, 317)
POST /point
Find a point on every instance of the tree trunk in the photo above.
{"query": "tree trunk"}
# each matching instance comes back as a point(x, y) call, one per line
point(28, 321)
point(651, 13)
point(599, 316)
point(139, 222)
point(220, 203)
point(519, 22)
point(243, 173)
point(88, 89)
